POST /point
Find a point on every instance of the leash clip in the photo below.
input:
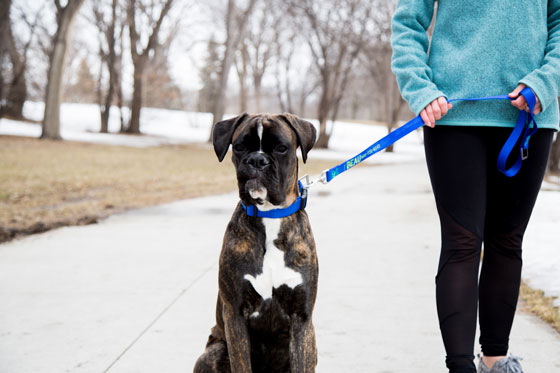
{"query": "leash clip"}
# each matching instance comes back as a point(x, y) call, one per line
point(323, 177)
point(307, 183)
point(303, 196)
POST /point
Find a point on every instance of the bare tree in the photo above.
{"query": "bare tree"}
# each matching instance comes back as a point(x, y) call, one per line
point(236, 24)
point(336, 32)
point(17, 51)
point(241, 66)
point(4, 29)
point(65, 16)
point(377, 60)
point(259, 42)
point(118, 79)
point(209, 76)
point(110, 30)
point(17, 90)
point(163, 91)
point(141, 54)
point(284, 57)
point(294, 84)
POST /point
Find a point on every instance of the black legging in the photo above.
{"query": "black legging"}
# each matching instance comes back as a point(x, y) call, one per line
point(478, 204)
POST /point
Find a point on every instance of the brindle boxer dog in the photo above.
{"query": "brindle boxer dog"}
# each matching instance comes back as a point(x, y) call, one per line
point(268, 267)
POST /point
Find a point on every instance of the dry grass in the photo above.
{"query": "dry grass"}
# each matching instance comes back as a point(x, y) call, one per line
point(47, 184)
point(536, 302)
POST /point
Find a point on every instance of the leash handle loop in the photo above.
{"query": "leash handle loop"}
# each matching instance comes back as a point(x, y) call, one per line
point(525, 127)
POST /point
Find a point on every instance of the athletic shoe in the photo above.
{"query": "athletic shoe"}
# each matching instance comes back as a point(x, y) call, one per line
point(508, 364)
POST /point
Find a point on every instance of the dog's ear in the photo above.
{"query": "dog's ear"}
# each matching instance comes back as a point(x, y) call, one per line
point(305, 132)
point(222, 134)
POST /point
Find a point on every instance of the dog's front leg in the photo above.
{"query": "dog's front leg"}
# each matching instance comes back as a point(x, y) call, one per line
point(237, 337)
point(303, 352)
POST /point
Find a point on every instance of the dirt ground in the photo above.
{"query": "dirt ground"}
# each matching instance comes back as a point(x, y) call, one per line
point(47, 184)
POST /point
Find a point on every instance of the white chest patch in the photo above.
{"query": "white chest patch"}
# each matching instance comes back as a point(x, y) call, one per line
point(274, 271)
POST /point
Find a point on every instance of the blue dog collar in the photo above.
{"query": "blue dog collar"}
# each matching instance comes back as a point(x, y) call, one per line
point(299, 204)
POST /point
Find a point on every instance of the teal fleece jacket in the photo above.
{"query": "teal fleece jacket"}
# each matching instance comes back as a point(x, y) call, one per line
point(478, 48)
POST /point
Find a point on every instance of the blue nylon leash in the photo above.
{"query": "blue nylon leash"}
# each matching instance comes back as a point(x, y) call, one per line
point(526, 126)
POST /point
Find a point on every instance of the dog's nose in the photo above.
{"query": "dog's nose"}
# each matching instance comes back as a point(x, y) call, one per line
point(258, 161)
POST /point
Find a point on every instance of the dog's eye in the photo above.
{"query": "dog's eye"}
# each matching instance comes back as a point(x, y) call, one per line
point(281, 149)
point(239, 148)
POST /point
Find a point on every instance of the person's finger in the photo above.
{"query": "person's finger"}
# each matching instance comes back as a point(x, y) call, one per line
point(424, 116)
point(519, 103)
point(436, 110)
point(538, 108)
point(517, 90)
point(430, 112)
point(442, 105)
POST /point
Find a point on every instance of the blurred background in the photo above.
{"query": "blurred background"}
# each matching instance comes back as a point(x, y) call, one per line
point(105, 71)
point(315, 58)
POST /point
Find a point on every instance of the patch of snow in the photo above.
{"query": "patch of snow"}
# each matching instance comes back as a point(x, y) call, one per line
point(541, 245)
point(81, 122)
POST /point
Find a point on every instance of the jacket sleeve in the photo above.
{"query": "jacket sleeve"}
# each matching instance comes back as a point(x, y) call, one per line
point(410, 44)
point(545, 81)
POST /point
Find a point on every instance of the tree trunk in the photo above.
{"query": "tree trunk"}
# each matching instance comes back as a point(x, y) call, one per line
point(219, 104)
point(324, 137)
point(257, 83)
point(242, 97)
point(4, 29)
point(120, 102)
point(391, 110)
point(111, 60)
point(323, 114)
point(257, 88)
point(391, 124)
point(554, 162)
point(136, 104)
point(1, 87)
point(106, 107)
point(235, 32)
point(241, 67)
point(17, 93)
point(53, 97)
point(302, 104)
point(16, 96)
point(105, 111)
point(118, 80)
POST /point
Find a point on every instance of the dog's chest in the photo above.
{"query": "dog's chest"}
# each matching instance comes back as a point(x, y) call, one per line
point(275, 272)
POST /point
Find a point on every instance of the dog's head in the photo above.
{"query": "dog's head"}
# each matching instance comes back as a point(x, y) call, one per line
point(264, 154)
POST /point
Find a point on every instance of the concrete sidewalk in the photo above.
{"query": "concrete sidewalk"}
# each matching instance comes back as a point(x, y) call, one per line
point(137, 292)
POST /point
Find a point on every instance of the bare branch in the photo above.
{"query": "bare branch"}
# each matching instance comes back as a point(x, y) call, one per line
point(59, 7)
point(154, 36)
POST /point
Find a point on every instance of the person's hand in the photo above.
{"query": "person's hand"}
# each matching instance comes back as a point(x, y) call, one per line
point(435, 111)
point(520, 101)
